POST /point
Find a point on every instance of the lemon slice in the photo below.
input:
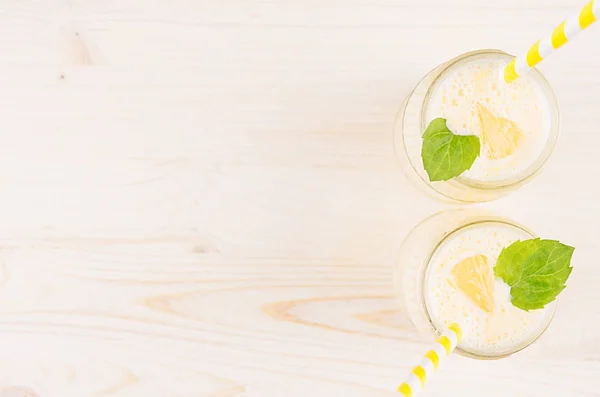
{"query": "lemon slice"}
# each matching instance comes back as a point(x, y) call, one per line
point(500, 135)
point(473, 276)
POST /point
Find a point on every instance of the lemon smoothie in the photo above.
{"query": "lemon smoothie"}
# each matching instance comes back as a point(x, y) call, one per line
point(460, 286)
point(515, 124)
point(487, 273)
point(513, 121)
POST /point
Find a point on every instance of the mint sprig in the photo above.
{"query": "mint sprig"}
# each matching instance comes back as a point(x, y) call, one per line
point(536, 271)
point(446, 155)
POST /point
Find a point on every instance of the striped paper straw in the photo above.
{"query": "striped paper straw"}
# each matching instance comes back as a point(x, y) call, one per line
point(544, 47)
point(444, 345)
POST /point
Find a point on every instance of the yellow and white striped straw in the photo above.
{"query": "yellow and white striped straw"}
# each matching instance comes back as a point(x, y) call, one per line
point(443, 347)
point(562, 34)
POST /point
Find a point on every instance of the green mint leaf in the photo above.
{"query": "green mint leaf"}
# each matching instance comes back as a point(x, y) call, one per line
point(536, 271)
point(516, 254)
point(445, 154)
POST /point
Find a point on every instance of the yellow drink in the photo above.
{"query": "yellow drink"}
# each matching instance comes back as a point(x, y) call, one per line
point(517, 125)
point(445, 274)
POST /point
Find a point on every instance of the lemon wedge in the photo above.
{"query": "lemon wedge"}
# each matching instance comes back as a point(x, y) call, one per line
point(500, 135)
point(473, 276)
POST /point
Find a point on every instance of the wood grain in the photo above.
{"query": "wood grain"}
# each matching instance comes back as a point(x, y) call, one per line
point(200, 198)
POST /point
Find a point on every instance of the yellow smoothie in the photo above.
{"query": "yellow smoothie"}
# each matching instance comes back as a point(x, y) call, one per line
point(460, 287)
point(513, 121)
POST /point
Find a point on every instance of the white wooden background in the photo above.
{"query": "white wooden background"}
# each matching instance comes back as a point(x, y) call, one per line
point(200, 198)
